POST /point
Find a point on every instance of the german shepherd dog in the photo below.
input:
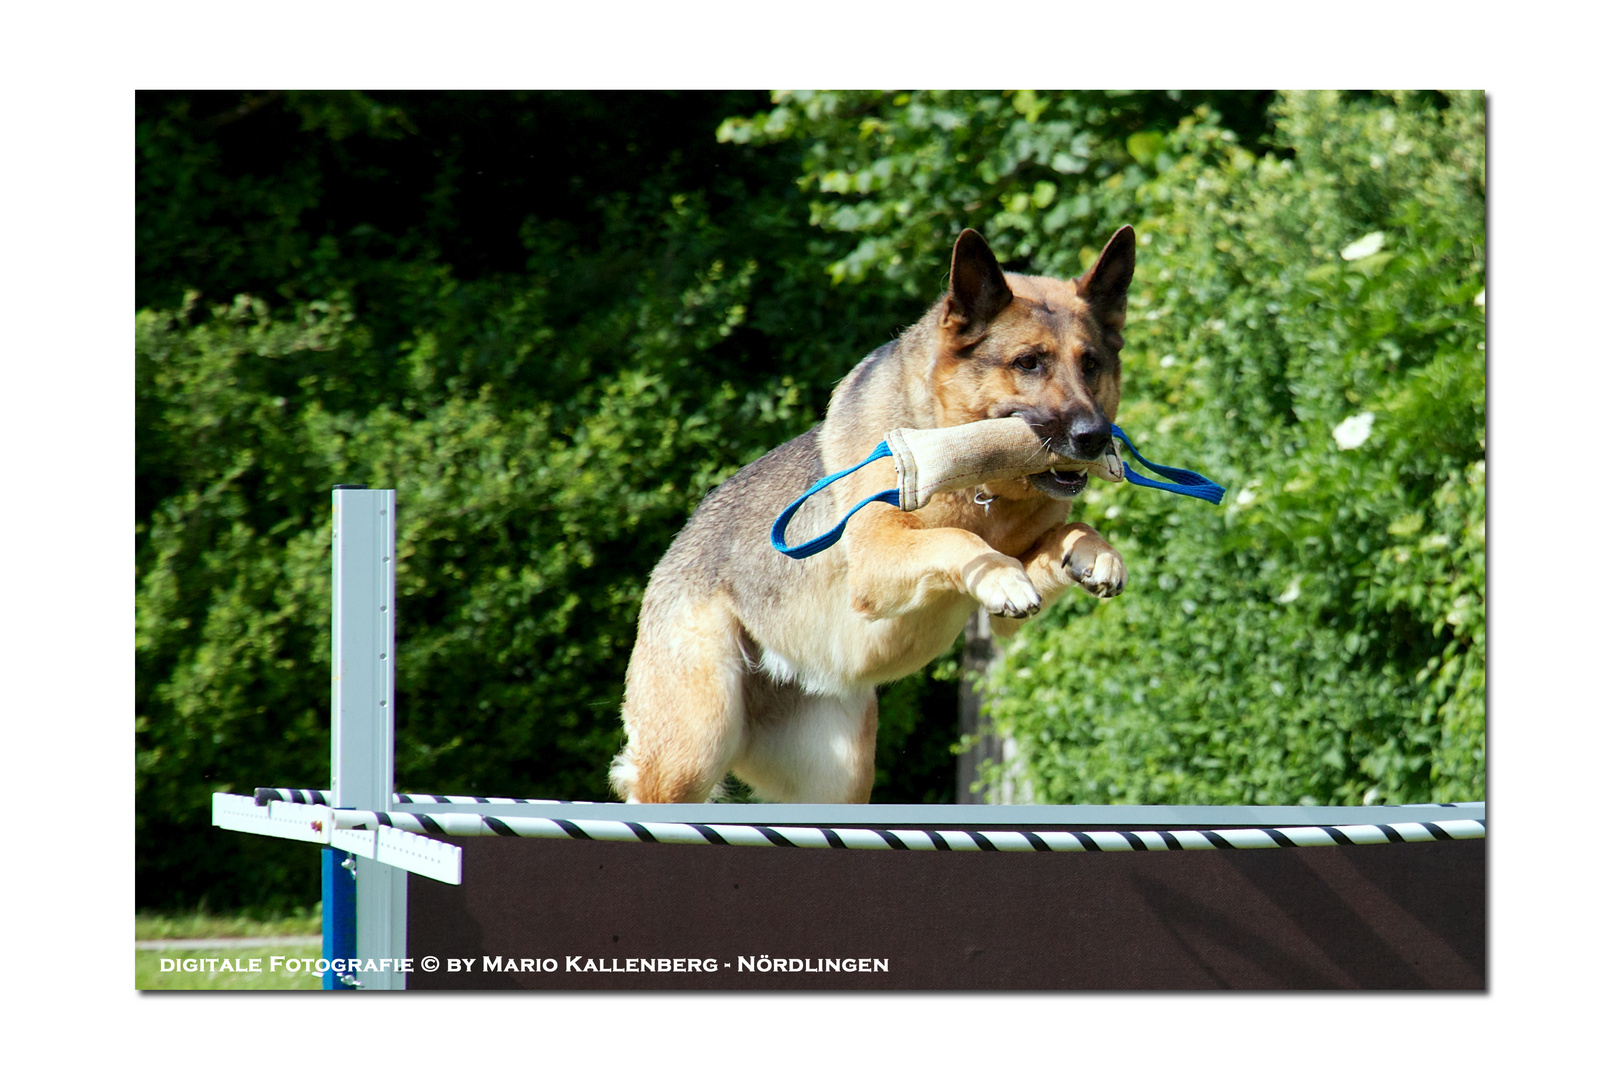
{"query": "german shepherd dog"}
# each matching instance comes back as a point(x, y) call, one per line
point(752, 663)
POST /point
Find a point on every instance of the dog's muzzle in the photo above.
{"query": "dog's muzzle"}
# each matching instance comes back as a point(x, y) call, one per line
point(1085, 438)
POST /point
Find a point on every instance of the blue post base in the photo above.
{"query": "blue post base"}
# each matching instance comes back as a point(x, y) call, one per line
point(337, 915)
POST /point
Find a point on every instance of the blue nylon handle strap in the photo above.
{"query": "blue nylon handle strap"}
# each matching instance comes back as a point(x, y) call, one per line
point(830, 537)
point(1185, 481)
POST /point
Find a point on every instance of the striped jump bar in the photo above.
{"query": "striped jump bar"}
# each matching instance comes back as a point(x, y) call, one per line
point(311, 797)
point(453, 823)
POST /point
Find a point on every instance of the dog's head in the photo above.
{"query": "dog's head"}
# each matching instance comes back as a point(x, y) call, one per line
point(1038, 348)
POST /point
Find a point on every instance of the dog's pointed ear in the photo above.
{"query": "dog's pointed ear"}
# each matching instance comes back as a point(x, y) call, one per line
point(978, 290)
point(1104, 286)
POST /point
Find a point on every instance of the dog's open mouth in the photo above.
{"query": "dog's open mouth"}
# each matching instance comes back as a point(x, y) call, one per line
point(1067, 480)
point(1060, 484)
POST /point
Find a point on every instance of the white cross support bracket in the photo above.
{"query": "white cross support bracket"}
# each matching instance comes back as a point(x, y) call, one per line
point(289, 821)
point(315, 824)
point(418, 854)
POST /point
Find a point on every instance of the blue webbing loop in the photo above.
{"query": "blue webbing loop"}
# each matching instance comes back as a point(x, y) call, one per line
point(1187, 481)
point(830, 537)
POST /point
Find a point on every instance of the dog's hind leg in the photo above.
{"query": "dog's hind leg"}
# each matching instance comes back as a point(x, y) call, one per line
point(810, 748)
point(683, 705)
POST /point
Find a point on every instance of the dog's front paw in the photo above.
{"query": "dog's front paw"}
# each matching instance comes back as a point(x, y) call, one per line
point(1100, 572)
point(999, 583)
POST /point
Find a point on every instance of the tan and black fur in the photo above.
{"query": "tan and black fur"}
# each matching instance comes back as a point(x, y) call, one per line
point(752, 663)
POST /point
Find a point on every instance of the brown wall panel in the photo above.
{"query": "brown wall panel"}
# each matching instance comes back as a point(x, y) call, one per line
point(1395, 916)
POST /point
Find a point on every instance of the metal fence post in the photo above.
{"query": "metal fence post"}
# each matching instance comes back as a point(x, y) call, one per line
point(363, 710)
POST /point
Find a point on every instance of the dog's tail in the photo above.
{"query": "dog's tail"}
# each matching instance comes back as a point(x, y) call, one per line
point(622, 775)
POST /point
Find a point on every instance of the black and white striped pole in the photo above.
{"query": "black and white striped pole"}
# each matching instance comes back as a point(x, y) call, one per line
point(371, 925)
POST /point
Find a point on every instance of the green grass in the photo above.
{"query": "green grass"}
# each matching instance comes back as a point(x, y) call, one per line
point(151, 926)
point(162, 926)
point(149, 973)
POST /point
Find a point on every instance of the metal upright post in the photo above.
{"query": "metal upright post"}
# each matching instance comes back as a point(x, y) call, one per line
point(363, 711)
point(337, 914)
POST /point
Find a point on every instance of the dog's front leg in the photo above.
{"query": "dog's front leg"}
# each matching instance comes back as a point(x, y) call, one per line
point(1075, 554)
point(896, 565)
point(1070, 554)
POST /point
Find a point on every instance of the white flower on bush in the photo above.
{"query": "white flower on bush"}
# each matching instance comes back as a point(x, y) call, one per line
point(1290, 594)
point(1371, 244)
point(1353, 431)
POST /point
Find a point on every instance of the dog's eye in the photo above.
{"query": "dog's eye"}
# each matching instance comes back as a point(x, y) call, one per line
point(1029, 362)
point(1088, 361)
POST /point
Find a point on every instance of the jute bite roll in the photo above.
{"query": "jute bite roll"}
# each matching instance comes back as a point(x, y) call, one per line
point(931, 460)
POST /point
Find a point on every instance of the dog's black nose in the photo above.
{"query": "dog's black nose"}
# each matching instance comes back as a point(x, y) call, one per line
point(1090, 435)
